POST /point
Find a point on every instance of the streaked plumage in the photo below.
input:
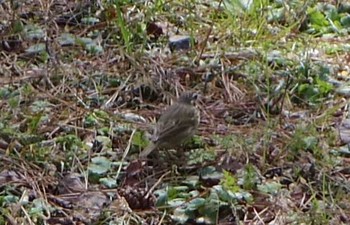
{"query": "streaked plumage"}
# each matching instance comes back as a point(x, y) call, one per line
point(178, 123)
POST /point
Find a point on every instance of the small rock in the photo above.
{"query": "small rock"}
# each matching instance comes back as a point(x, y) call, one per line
point(179, 42)
point(132, 117)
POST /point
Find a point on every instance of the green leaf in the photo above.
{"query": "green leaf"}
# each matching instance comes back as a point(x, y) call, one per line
point(105, 142)
point(191, 181)
point(162, 197)
point(109, 182)
point(66, 39)
point(90, 120)
point(27, 90)
point(83, 41)
point(180, 215)
point(229, 196)
point(36, 48)
point(229, 182)
point(195, 203)
point(70, 141)
point(39, 207)
point(34, 122)
point(14, 102)
point(345, 21)
point(17, 26)
point(332, 14)
point(4, 92)
point(8, 199)
point(270, 188)
point(198, 156)
point(310, 142)
point(317, 18)
point(100, 165)
point(94, 48)
point(33, 32)
point(324, 86)
point(90, 20)
point(250, 177)
point(139, 140)
point(176, 202)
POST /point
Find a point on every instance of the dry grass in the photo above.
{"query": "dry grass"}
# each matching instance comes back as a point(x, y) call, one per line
point(73, 117)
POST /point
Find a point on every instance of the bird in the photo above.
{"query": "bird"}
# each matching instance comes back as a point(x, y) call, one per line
point(177, 123)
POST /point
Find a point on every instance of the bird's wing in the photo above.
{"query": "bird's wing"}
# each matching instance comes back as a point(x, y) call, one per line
point(172, 131)
point(176, 118)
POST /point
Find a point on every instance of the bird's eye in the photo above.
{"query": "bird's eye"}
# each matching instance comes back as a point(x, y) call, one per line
point(194, 96)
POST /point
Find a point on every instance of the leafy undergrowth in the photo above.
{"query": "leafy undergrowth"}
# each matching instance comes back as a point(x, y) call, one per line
point(82, 83)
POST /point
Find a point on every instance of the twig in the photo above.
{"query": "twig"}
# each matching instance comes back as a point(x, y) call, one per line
point(156, 184)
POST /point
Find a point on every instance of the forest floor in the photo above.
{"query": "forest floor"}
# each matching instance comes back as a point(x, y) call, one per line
point(83, 82)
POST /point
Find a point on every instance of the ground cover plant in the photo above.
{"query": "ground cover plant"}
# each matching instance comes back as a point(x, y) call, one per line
point(82, 83)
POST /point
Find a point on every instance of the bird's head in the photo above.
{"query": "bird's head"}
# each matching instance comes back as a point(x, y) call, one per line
point(188, 97)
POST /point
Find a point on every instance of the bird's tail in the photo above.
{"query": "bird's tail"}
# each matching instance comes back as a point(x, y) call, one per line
point(151, 146)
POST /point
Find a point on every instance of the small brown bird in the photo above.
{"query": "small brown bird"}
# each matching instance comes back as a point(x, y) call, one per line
point(178, 123)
